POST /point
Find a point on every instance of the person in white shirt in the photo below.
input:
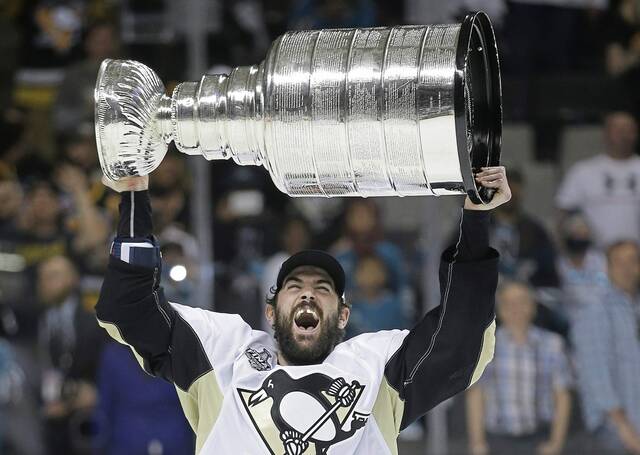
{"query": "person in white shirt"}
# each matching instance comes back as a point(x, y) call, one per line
point(606, 187)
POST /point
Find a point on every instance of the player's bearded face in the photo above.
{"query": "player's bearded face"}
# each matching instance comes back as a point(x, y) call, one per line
point(306, 322)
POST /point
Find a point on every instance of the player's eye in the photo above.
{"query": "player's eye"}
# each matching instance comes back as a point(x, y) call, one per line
point(323, 289)
point(293, 286)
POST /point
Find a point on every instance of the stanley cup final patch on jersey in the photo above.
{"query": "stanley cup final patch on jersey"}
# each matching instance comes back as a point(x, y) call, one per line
point(304, 416)
point(260, 361)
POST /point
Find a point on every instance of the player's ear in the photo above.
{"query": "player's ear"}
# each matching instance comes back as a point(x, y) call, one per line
point(343, 316)
point(270, 313)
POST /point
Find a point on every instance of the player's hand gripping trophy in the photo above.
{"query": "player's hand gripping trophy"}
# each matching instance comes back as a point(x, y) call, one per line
point(412, 110)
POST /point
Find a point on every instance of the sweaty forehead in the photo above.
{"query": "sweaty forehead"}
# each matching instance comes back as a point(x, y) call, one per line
point(309, 272)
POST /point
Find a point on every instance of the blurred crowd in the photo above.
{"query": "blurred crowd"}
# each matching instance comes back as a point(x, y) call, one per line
point(567, 360)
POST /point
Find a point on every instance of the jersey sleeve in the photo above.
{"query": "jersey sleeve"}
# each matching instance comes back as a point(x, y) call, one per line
point(171, 341)
point(449, 348)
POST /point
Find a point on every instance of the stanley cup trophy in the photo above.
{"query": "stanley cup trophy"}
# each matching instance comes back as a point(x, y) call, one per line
point(390, 111)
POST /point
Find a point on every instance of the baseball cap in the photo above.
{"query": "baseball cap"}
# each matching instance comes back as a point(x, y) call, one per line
point(315, 258)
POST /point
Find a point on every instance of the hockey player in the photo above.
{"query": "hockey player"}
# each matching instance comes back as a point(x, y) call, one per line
point(303, 391)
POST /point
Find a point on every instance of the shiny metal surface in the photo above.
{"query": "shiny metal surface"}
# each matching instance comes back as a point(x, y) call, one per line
point(352, 112)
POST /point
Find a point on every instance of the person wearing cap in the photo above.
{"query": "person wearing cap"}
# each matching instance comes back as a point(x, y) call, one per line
point(303, 390)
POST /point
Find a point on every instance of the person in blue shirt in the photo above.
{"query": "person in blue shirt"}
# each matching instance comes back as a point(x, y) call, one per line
point(363, 235)
point(11, 384)
point(374, 305)
point(606, 340)
point(137, 414)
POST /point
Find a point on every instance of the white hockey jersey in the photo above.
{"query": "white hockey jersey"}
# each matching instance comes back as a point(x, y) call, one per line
point(237, 398)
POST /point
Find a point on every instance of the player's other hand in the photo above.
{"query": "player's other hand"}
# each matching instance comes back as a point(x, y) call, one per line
point(496, 178)
point(127, 183)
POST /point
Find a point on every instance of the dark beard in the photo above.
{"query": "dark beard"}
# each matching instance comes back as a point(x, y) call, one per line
point(330, 336)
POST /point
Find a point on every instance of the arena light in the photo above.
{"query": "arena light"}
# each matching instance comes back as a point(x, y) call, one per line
point(178, 273)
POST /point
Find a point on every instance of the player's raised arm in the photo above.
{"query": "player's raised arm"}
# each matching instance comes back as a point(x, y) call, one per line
point(172, 341)
point(449, 348)
point(191, 347)
point(132, 307)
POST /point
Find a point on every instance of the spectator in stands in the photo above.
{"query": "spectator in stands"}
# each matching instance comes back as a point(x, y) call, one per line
point(622, 33)
point(606, 339)
point(49, 224)
point(20, 419)
point(169, 191)
point(70, 342)
point(526, 250)
point(74, 103)
point(606, 188)
point(169, 206)
point(246, 230)
point(78, 148)
point(622, 47)
point(40, 234)
point(11, 196)
point(137, 413)
point(521, 405)
point(11, 384)
point(84, 222)
point(582, 267)
point(19, 416)
point(374, 306)
point(363, 236)
point(51, 39)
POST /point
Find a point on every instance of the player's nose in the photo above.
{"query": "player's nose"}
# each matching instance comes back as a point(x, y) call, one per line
point(307, 294)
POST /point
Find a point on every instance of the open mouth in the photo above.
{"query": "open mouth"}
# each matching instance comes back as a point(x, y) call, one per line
point(306, 320)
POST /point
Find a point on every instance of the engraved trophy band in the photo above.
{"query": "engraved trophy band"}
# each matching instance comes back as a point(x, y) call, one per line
point(389, 111)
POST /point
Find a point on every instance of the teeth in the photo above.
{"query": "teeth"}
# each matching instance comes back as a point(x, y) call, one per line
point(310, 311)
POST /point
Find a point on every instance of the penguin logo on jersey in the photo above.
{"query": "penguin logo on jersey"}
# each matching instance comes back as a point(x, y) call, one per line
point(259, 360)
point(304, 416)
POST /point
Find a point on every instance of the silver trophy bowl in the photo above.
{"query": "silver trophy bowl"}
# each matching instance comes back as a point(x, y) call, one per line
point(396, 111)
